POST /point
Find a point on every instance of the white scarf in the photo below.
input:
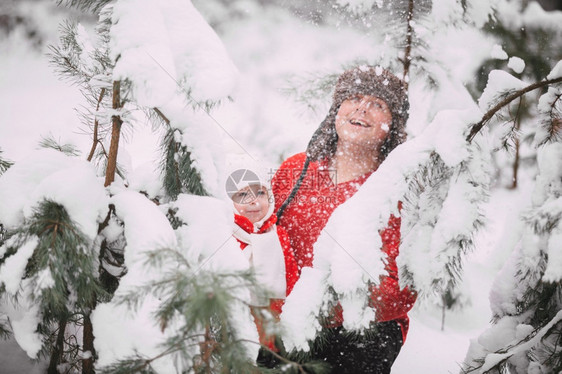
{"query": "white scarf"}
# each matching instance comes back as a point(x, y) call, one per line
point(265, 254)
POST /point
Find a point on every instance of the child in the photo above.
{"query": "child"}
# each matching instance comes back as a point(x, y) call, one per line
point(266, 247)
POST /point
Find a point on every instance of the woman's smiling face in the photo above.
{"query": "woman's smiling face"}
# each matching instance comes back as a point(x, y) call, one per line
point(363, 120)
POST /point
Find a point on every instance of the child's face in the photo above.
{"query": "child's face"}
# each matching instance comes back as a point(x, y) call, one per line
point(252, 202)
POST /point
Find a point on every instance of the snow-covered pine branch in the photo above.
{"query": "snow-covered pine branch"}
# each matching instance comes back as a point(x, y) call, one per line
point(179, 283)
point(86, 5)
point(550, 110)
point(179, 68)
point(51, 204)
point(501, 90)
point(4, 163)
point(525, 297)
point(85, 62)
point(67, 149)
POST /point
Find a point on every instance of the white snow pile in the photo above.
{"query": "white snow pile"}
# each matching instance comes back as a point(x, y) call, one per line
point(477, 12)
point(206, 241)
point(498, 52)
point(534, 16)
point(516, 64)
point(444, 11)
point(347, 255)
point(51, 175)
point(499, 83)
point(480, 11)
point(116, 328)
point(547, 197)
point(556, 72)
point(166, 47)
point(24, 319)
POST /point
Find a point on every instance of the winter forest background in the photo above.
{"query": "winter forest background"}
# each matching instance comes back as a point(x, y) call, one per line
point(117, 119)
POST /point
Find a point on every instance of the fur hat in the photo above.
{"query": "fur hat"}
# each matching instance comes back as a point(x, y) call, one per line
point(363, 80)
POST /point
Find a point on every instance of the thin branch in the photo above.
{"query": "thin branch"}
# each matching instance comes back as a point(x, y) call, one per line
point(103, 150)
point(96, 125)
point(161, 115)
point(553, 105)
point(517, 127)
point(105, 222)
point(409, 33)
point(556, 122)
point(115, 134)
point(489, 114)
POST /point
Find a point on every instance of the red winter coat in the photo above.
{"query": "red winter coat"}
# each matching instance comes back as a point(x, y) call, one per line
point(291, 270)
point(306, 216)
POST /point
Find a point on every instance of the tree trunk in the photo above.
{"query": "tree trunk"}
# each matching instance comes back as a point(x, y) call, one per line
point(88, 363)
point(515, 165)
point(56, 354)
point(115, 135)
point(443, 311)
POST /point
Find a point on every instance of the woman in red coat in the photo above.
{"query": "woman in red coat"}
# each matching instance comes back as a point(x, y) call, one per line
point(365, 123)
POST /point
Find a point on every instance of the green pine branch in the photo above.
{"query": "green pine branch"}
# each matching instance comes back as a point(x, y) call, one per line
point(180, 176)
point(552, 120)
point(62, 273)
point(198, 301)
point(426, 189)
point(4, 164)
point(67, 149)
point(61, 250)
point(5, 331)
point(93, 6)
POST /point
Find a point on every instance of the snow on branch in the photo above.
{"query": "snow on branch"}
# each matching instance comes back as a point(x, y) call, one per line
point(518, 347)
point(525, 298)
point(186, 288)
point(550, 109)
point(167, 48)
point(50, 205)
point(4, 163)
point(497, 83)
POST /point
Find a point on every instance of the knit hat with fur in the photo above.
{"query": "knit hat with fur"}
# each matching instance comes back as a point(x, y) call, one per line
point(363, 80)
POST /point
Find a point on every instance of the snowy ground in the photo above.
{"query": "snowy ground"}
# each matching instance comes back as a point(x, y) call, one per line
point(34, 103)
